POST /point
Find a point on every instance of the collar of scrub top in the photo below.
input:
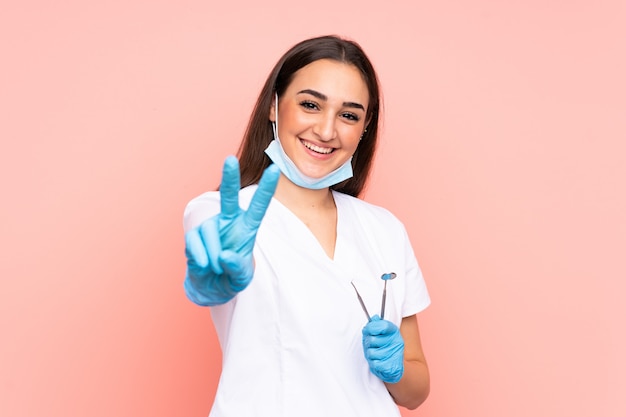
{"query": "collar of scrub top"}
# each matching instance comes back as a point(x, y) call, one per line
point(384, 277)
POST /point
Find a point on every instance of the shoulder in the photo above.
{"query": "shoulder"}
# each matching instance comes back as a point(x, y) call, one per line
point(201, 208)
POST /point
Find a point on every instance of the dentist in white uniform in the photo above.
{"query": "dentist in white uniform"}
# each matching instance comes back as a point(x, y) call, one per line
point(281, 260)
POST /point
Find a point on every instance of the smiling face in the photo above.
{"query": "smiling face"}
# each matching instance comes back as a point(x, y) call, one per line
point(321, 116)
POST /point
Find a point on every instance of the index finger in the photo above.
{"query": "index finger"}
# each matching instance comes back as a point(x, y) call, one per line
point(262, 197)
point(229, 188)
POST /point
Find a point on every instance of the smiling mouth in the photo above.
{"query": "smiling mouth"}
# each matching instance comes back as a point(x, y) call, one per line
point(317, 149)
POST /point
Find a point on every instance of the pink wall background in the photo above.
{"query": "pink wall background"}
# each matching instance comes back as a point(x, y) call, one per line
point(503, 153)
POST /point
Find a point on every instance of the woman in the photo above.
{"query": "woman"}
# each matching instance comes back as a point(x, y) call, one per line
point(289, 276)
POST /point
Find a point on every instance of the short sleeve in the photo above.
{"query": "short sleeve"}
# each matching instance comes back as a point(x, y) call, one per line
point(416, 294)
point(200, 209)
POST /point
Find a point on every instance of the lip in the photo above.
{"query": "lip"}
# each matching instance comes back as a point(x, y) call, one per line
point(314, 153)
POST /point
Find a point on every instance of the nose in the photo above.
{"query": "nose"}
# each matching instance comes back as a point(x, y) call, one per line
point(325, 127)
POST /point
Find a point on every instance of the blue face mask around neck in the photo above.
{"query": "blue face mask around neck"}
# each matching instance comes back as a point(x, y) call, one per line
point(277, 154)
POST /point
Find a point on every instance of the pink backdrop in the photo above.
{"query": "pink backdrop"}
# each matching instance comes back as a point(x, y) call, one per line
point(503, 153)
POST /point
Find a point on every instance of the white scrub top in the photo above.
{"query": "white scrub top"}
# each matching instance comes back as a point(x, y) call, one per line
point(291, 341)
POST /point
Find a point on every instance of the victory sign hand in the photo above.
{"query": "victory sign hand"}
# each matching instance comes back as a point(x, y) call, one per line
point(219, 251)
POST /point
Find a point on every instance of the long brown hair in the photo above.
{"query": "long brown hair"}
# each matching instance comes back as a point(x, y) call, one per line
point(258, 135)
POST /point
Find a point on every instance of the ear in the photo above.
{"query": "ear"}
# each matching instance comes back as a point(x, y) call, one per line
point(364, 131)
point(272, 115)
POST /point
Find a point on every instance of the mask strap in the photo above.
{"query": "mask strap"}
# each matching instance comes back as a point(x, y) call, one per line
point(275, 122)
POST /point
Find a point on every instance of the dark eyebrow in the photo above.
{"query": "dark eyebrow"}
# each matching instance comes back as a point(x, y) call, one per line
point(324, 98)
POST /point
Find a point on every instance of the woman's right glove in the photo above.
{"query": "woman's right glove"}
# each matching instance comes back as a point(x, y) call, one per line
point(219, 251)
point(384, 349)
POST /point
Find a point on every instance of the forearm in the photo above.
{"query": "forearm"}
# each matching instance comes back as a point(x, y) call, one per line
point(414, 386)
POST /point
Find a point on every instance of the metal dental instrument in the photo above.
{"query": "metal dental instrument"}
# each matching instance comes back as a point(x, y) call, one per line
point(385, 277)
point(362, 303)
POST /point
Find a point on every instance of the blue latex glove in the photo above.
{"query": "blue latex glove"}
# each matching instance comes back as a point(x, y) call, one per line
point(219, 251)
point(384, 349)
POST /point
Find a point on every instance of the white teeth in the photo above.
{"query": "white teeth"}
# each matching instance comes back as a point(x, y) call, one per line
point(317, 149)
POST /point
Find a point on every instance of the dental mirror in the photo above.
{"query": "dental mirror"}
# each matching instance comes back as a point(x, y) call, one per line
point(385, 277)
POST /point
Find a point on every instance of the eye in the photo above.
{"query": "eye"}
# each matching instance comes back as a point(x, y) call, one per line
point(350, 116)
point(309, 105)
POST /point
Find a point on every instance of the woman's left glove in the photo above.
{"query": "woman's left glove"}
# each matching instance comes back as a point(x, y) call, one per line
point(384, 349)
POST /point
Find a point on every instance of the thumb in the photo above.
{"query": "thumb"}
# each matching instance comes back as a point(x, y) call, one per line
point(380, 327)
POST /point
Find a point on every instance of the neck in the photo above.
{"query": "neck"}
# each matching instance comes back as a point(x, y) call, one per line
point(296, 197)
